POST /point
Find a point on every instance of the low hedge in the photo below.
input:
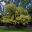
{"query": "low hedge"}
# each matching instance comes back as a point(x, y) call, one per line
point(20, 19)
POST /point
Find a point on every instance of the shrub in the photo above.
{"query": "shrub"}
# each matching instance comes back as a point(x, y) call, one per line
point(21, 10)
point(23, 19)
point(19, 15)
point(10, 9)
point(6, 19)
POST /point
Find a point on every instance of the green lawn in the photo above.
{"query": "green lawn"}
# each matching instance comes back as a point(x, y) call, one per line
point(15, 30)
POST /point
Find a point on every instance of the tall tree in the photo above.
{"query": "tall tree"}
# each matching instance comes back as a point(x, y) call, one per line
point(24, 2)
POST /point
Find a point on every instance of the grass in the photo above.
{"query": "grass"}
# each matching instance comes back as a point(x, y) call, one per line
point(15, 30)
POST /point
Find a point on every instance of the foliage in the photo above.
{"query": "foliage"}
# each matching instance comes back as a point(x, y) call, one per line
point(25, 1)
point(21, 10)
point(23, 19)
point(6, 19)
point(10, 9)
point(16, 12)
point(30, 10)
point(16, 15)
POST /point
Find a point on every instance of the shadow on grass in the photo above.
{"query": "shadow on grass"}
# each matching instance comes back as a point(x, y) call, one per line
point(14, 29)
